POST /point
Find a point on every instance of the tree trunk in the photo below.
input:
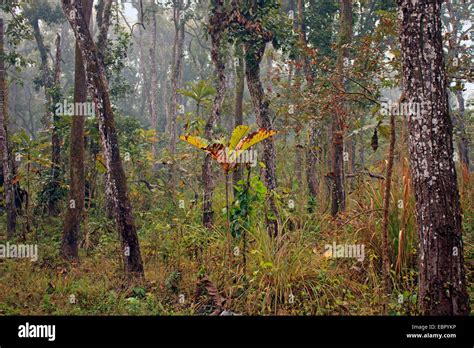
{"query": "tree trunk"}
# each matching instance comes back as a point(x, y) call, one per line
point(313, 152)
point(338, 202)
point(239, 101)
point(463, 144)
point(442, 284)
point(99, 90)
point(103, 23)
point(51, 96)
point(5, 151)
point(53, 208)
point(313, 156)
point(456, 22)
point(176, 73)
point(386, 207)
point(216, 30)
point(73, 219)
point(253, 56)
point(154, 86)
point(45, 71)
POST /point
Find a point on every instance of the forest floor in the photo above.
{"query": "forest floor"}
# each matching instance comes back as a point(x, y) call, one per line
point(290, 275)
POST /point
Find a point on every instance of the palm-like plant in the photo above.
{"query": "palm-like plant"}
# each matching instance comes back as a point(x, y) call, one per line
point(201, 92)
point(227, 154)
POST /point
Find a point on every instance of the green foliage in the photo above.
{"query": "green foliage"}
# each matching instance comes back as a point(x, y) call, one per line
point(201, 91)
point(320, 19)
point(242, 212)
point(272, 19)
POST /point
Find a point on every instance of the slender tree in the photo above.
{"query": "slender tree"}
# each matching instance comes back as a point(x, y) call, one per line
point(216, 31)
point(154, 83)
point(179, 19)
point(239, 100)
point(50, 14)
point(254, 46)
point(338, 124)
point(54, 185)
point(99, 90)
point(74, 213)
point(5, 151)
point(458, 14)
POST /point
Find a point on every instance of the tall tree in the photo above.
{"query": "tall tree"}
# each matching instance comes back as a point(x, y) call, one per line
point(314, 132)
point(55, 132)
point(459, 13)
point(442, 284)
point(254, 50)
point(217, 26)
point(49, 14)
point(338, 123)
point(154, 83)
point(103, 23)
point(179, 19)
point(99, 90)
point(5, 151)
point(239, 100)
point(73, 218)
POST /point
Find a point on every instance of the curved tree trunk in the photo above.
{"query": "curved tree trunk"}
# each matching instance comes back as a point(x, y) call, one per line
point(254, 53)
point(442, 284)
point(99, 90)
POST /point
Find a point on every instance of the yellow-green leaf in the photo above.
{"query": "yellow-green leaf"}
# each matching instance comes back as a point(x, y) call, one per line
point(196, 141)
point(237, 135)
point(254, 138)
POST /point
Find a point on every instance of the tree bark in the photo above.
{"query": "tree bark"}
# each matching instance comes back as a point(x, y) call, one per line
point(253, 56)
point(239, 101)
point(338, 202)
point(313, 152)
point(5, 151)
point(154, 86)
point(463, 144)
point(45, 72)
point(386, 207)
point(53, 201)
point(313, 156)
point(176, 73)
point(455, 22)
point(442, 284)
point(74, 213)
point(103, 23)
point(99, 90)
point(216, 30)
point(50, 93)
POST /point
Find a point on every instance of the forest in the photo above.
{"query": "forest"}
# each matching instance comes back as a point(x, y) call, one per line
point(236, 157)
